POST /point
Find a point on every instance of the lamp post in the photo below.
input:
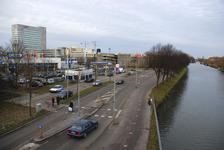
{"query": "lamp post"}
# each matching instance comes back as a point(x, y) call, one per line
point(114, 95)
point(67, 73)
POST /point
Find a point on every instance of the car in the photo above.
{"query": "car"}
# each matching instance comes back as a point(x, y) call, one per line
point(133, 69)
point(128, 73)
point(82, 127)
point(97, 82)
point(119, 81)
point(118, 72)
point(56, 88)
point(21, 81)
point(89, 80)
point(101, 74)
point(36, 84)
point(110, 74)
point(63, 94)
point(50, 81)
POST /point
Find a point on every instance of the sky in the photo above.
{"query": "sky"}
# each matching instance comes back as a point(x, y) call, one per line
point(196, 27)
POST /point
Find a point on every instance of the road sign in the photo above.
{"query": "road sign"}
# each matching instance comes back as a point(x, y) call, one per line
point(62, 88)
point(40, 126)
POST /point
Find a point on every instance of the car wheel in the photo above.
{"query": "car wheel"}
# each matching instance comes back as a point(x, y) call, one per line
point(96, 126)
point(85, 135)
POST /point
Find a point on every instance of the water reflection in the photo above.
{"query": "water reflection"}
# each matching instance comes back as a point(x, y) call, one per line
point(192, 117)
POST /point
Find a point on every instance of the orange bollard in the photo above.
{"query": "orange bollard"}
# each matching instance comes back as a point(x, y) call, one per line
point(40, 133)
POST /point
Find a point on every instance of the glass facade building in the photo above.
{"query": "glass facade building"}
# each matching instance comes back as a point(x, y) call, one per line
point(34, 38)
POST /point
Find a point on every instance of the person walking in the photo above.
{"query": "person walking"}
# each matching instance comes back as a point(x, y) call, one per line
point(58, 100)
point(52, 101)
point(71, 105)
point(149, 100)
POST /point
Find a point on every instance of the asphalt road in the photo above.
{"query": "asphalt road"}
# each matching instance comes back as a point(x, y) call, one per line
point(104, 115)
point(18, 138)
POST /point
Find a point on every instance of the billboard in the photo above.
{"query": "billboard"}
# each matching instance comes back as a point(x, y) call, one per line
point(14, 55)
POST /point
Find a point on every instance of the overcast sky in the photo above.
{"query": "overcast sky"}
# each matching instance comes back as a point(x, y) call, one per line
point(194, 26)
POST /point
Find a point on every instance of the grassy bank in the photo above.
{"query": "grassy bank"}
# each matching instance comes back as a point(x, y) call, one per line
point(160, 93)
point(15, 115)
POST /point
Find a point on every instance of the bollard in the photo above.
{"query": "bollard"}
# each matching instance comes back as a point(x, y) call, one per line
point(40, 133)
point(98, 99)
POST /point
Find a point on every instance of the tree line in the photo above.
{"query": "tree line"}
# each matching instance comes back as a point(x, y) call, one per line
point(166, 60)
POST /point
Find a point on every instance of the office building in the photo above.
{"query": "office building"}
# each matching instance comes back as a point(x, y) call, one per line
point(34, 38)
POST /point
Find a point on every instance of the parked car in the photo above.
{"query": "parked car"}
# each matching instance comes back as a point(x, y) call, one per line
point(56, 88)
point(123, 71)
point(97, 82)
point(36, 84)
point(101, 74)
point(89, 80)
point(82, 127)
point(110, 74)
point(63, 94)
point(128, 73)
point(22, 81)
point(133, 69)
point(119, 81)
point(50, 81)
point(118, 72)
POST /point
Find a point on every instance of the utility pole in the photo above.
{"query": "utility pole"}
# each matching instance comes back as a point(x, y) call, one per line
point(114, 95)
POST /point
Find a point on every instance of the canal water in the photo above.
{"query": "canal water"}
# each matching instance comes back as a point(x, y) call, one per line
point(193, 116)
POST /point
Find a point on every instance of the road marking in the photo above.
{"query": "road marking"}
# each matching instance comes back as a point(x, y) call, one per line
point(136, 115)
point(56, 111)
point(130, 132)
point(118, 113)
point(66, 112)
point(96, 115)
point(125, 146)
point(110, 117)
point(108, 109)
point(102, 116)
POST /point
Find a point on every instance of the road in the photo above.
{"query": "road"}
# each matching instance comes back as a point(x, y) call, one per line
point(124, 93)
point(26, 134)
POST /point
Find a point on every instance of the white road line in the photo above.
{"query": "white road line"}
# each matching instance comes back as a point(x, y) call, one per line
point(118, 113)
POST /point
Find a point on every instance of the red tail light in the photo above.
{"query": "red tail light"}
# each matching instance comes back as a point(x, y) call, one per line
point(67, 131)
point(79, 133)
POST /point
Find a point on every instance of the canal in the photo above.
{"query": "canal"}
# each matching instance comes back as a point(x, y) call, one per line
point(193, 116)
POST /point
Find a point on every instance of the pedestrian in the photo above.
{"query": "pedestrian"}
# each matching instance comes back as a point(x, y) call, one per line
point(71, 105)
point(53, 101)
point(149, 100)
point(58, 100)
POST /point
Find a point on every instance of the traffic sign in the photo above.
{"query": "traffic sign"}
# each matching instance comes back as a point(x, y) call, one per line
point(40, 126)
point(62, 88)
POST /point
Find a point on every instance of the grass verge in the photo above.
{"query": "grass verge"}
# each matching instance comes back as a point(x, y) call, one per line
point(8, 95)
point(83, 92)
point(160, 93)
point(14, 115)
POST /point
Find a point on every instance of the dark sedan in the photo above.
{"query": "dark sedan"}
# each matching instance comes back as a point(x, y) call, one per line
point(119, 81)
point(128, 73)
point(63, 94)
point(82, 127)
point(89, 80)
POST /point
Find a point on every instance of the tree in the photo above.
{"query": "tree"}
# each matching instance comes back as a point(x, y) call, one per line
point(14, 52)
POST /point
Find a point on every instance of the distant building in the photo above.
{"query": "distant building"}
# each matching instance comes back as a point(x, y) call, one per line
point(34, 38)
point(54, 53)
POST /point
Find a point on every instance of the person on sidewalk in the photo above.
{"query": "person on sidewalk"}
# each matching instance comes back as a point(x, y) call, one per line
point(149, 100)
point(71, 105)
point(58, 100)
point(52, 101)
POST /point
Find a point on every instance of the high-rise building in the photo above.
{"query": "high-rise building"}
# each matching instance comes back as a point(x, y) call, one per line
point(34, 38)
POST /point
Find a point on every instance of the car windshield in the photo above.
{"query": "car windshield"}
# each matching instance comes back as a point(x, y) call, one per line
point(77, 126)
point(63, 92)
point(56, 86)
